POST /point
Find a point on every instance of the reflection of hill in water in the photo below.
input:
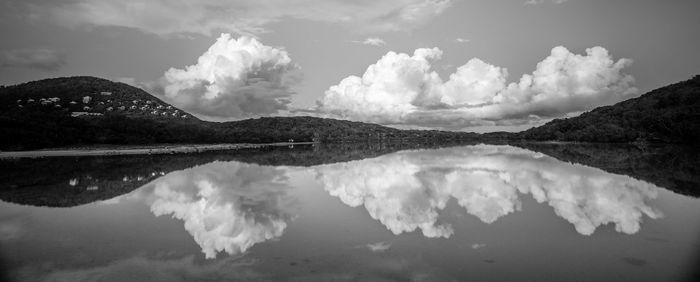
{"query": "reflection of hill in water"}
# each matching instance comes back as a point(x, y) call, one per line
point(676, 168)
point(73, 181)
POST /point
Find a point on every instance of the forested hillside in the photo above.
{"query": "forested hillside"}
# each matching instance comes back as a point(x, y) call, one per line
point(669, 114)
point(83, 111)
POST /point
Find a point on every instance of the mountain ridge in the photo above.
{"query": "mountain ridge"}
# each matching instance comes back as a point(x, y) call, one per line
point(85, 110)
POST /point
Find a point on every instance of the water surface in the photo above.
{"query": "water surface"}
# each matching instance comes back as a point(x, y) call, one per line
point(481, 212)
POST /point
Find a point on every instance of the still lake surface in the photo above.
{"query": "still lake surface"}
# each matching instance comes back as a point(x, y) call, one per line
point(479, 212)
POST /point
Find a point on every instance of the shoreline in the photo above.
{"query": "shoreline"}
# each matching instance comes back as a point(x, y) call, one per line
point(145, 150)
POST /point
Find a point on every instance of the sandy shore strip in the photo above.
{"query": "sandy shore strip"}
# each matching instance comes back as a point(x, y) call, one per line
point(143, 150)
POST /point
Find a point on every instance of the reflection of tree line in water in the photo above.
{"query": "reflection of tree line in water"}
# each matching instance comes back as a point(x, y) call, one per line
point(72, 181)
point(676, 168)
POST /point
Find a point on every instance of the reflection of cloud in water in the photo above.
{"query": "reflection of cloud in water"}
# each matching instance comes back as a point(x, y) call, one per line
point(406, 190)
point(379, 246)
point(12, 227)
point(227, 206)
point(151, 269)
point(478, 246)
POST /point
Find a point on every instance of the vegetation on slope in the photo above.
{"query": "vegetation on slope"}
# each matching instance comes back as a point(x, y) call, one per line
point(669, 114)
point(79, 111)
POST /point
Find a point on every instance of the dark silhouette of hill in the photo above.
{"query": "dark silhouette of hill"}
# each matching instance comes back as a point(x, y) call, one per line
point(84, 111)
point(79, 111)
point(669, 114)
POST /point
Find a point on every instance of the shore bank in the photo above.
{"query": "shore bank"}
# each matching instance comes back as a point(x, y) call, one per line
point(140, 150)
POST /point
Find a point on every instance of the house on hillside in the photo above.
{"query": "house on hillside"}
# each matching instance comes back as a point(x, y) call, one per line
point(87, 99)
point(106, 93)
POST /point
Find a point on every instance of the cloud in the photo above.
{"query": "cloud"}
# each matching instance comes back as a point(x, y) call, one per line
point(538, 2)
point(374, 41)
point(406, 191)
point(402, 89)
point(462, 40)
point(226, 207)
point(41, 59)
point(234, 78)
point(166, 17)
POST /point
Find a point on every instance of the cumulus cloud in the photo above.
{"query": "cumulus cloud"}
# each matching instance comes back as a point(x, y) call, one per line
point(41, 59)
point(373, 41)
point(403, 89)
point(166, 17)
point(406, 191)
point(226, 207)
point(234, 78)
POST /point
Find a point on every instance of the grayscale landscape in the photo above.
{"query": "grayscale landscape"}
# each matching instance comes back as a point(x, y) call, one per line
point(403, 140)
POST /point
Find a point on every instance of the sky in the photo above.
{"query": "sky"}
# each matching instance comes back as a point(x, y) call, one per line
point(467, 65)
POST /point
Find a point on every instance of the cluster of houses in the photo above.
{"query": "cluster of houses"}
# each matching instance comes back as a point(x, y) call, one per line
point(102, 103)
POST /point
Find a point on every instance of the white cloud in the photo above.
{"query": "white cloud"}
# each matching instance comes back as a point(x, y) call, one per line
point(168, 17)
point(234, 78)
point(406, 191)
point(401, 89)
point(42, 59)
point(462, 40)
point(226, 207)
point(374, 41)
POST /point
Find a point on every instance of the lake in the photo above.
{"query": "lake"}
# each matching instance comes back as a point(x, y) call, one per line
point(377, 212)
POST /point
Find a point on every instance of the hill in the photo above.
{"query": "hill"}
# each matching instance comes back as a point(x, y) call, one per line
point(669, 114)
point(80, 111)
point(83, 111)
point(86, 96)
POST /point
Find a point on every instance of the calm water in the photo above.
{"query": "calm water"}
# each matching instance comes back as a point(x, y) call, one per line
point(482, 212)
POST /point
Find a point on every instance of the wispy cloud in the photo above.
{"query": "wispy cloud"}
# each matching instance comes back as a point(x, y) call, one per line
point(42, 59)
point(373, 41)
point(537, 2)
point(246, 17)
point(462, 40)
